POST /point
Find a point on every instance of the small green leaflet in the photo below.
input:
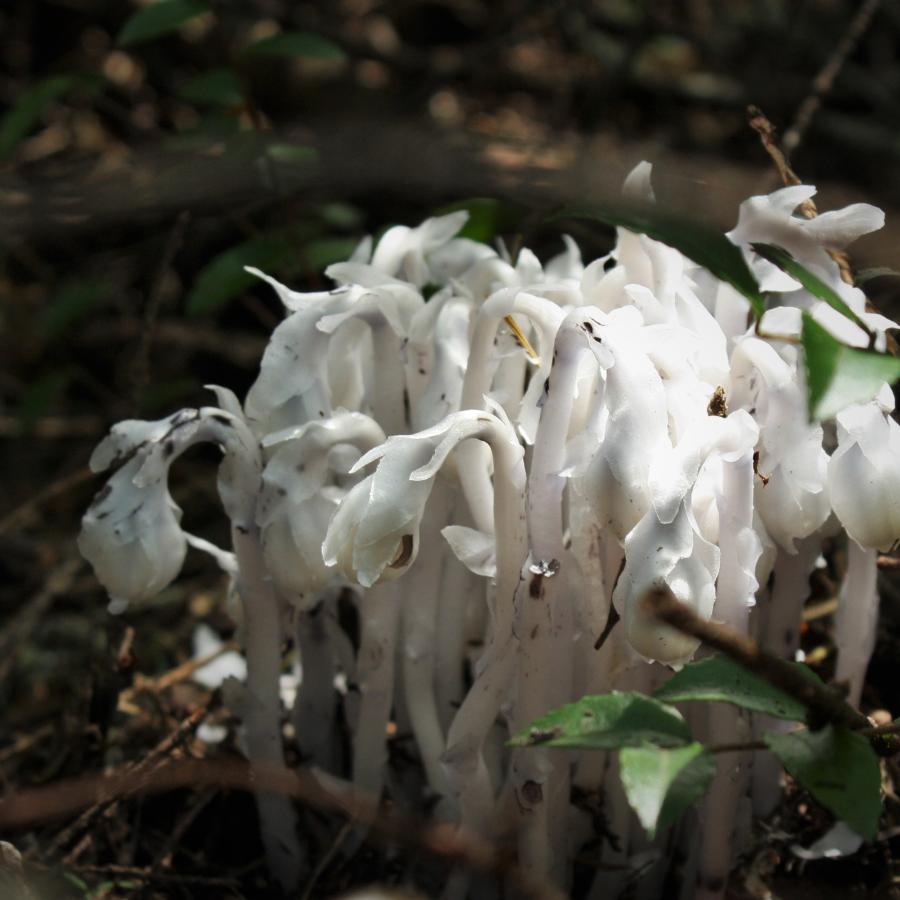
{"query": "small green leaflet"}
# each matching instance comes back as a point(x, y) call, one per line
point(224, 278)
point(701, 243)
point(158, 19)
point(838, 375)
point(818, 288)
point(839, 768)
point(295, 44)
point(217, 87)
point(488, 217)
point(607, 721)
point(720, 678)
point(661, 784)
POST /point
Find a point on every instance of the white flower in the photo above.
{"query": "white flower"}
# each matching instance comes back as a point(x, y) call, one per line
point(132, 536)
point(296, 502)
point(864, 473)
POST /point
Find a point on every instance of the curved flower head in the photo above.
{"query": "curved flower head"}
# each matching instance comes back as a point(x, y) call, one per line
point(296, 503)
point(864, 473)
point(131, 534)
point(402, 251)
point(374, 534)
point(792, 494)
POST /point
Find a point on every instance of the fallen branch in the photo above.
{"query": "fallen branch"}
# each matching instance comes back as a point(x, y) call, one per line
point(446, 842)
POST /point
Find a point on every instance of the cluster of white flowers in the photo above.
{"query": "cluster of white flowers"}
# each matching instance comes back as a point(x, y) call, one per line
point(492, 470)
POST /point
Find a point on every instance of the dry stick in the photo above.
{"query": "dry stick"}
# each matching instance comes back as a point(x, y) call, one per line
point(824, 704)
point(132, 771)
point(19, 517)
point(14, 636)
point(31, 807)
point(824, 81)
point(141, 365)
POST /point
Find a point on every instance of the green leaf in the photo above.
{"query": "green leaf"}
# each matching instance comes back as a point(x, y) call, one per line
point(608, 721)
point(218, 87)
point(29, 108)
point(701, 243)
point(157, 19)
point(720, 678)
point(838, 375)
point(488, 217)
point(818, 288)
point(661, 784)
point(224, 278)
point(71, 303)
point(322, 252)
point(295, 44)
point(839, 768)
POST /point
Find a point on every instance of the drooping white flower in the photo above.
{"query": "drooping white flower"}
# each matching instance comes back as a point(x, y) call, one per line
point(864, 473)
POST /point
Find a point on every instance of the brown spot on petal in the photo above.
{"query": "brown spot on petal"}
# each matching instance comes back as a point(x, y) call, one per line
point(532, 793)
point(717, 405)
point(404, 552)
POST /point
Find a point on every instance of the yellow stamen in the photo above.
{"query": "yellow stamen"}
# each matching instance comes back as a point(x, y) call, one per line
point(519, 335)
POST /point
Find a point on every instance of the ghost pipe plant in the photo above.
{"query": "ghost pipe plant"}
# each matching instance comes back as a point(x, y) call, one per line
point(498, 475)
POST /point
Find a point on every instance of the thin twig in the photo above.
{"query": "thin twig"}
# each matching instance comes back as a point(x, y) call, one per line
point(141, 365)
point(18, 517)
point(133, 771)
point(824, 81)
point(824, 704)
point(20, 626)
point(442, 841)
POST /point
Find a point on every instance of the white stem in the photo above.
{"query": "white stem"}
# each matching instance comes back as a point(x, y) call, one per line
point(472, 460)
point(544, 625)
point(389, 401)
point(458, 589)
point(781, 635)
point(857, 618)
point(735, 591)
point(316, 702)
point(466, 768)
point(262, 715)
point(379, 612)
point(419, 630)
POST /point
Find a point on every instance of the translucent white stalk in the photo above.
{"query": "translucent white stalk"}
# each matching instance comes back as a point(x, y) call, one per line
point(544, 619)
point(420, 637)
point(781, 635)
point(856, 620)
point(735, 593)
point(315, 707)
point(471, 460)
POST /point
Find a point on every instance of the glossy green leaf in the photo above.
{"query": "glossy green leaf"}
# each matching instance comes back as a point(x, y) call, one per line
point(158, 19)
point(661, 784)
point(838, 375)
point(218, 87)
point(224, 278)
point(839, 768)
point(818, 288)
point(608, 721)
point(295, 44)
point(721, 679)
point(26, 112)
point(701, 243)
